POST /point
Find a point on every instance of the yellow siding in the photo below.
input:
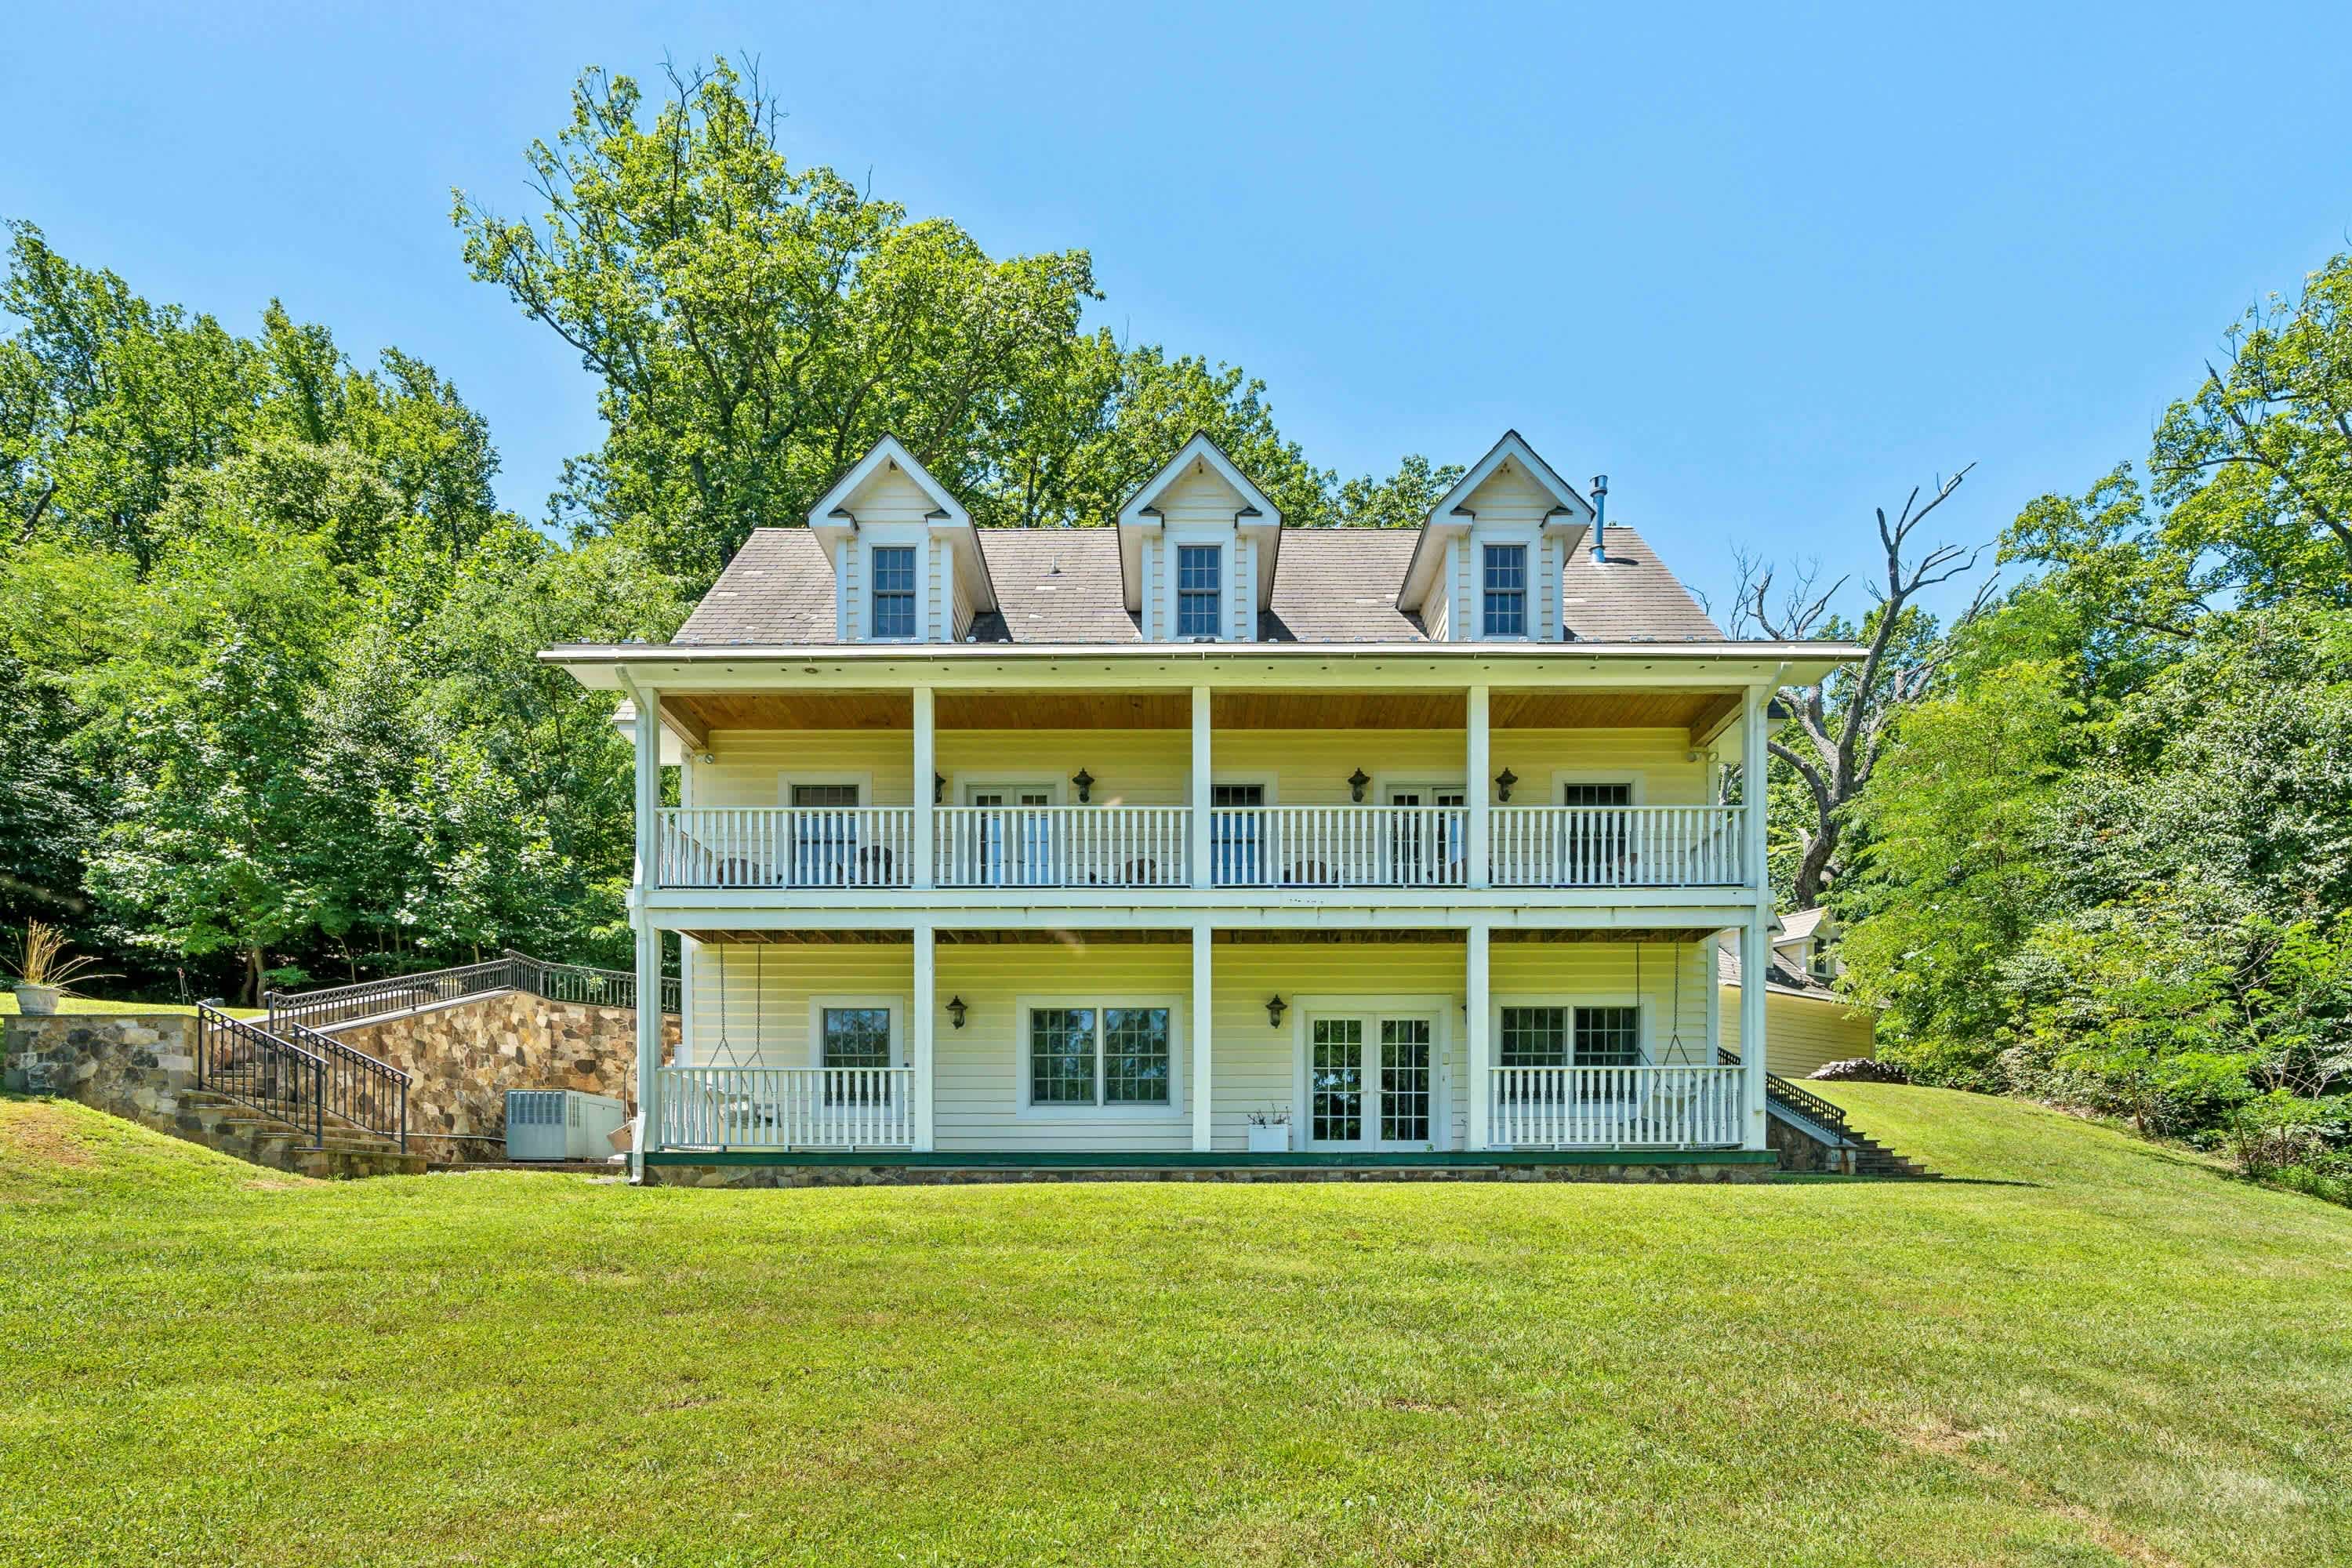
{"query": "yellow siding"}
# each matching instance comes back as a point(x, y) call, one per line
point(1201, 498)
point(768, 991)
point(888, 496)
point(1153, 767)
point(1509, 498)
point(1801, 1034)
point(753, 765)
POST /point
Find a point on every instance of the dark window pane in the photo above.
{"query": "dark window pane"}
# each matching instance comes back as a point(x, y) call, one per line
point(1199, 604)
point(1608, 1037)
point(1062, 1056)
point(1335, 1080)
point(1596, 795)
point(1405, 1080)
point(857, 1038)
point(1136, 1069)
point(1507, 590)
point(1533, 1037)
point(894, 591)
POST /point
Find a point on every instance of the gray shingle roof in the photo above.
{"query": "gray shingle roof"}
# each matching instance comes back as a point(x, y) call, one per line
point(1062, 585)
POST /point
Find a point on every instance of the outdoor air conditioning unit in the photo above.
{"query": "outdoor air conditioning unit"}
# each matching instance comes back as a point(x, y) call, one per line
point(560, 1125)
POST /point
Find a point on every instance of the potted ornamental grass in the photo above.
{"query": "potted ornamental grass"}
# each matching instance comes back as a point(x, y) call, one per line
point(45, 970)
point(1269, 1131)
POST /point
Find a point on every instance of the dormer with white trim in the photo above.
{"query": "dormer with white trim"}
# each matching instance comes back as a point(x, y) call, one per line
point(1488, 565)
point(1197, 546)
point(907, 564)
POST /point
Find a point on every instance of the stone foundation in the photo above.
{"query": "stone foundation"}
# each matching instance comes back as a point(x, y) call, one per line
point(739, 1175)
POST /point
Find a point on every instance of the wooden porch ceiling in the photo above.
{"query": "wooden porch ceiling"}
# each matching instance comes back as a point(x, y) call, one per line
point(1159, 937)
point(1702, 713)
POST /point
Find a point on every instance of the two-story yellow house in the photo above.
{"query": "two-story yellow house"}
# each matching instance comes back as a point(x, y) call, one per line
point(1199, 842)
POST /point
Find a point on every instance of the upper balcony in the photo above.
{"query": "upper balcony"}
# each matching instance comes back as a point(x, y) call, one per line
point(1202, 797)
point(872, 849)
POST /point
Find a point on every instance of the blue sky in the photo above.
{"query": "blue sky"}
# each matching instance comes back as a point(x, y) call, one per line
point(1764, 267)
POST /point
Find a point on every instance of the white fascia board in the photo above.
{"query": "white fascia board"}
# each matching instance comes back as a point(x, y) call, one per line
point(1721, 666)
point(834, 525)
point(1334, 909)
point(1447, 516)
point(1141, 515)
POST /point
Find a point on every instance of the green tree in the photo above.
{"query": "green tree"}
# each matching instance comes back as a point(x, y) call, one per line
point(1404, 499)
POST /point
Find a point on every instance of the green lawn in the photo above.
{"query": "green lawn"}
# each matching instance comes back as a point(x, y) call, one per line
point(2092, 1351)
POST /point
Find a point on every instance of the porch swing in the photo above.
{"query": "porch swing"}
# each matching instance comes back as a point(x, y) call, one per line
point(1662, 1107)
point(739, 1106)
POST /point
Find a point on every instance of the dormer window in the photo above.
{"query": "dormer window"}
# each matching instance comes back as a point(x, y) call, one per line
point(1200, 606)
point(894, 591)
point(1507, 590)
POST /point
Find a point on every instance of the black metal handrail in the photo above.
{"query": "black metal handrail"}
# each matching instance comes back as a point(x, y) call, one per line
point(248, 1064)
point(356, 1088)
point(511, 970)
point(1803, 1102)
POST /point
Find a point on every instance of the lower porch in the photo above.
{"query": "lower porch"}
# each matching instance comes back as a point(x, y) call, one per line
point(1203, 1054)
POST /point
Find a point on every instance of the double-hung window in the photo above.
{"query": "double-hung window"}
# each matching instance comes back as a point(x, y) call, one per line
point(1200, 603)
point(894, 591)
point(857, 1038)
point(1507, 590)
point(1608, 1037)
point(1101, 1058)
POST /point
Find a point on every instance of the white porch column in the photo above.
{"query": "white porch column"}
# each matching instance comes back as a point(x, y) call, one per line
point(1478, 1036)
point(926, 766)
point(1204, 1001)
point(649, 975)
point(1481, 857)
point(926, 1051)
point(1754, 933)
point(1202, 787)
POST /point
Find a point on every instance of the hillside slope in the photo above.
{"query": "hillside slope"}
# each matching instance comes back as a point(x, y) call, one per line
point(2080, 1350)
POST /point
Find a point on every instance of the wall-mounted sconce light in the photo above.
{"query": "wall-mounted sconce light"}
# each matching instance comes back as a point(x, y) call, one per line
point(1274, 1008)
point(939, 788)
point(1503, 782)
point(1086, 782)
point(1356, 781)
point(955, 1010)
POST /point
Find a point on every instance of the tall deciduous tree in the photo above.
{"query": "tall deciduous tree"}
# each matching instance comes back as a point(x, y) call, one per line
point(1837, 728)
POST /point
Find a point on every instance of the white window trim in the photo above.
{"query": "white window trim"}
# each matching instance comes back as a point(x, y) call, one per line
point(1226, 545)
point(922, 586)
point(1562, 777)
point(1438, 1008)
point(1219, 779)
point(962, 782)
point(1530, 575)
point(1179, 1056)
point(1645, 1023)
point(897, 1006)
point(864, 781)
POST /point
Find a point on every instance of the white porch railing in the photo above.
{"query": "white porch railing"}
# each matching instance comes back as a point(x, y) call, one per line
point(1615, 845)
point(808, 846)
point(785, 1108)
point(1338, 846)
point(1614, 1108)
point(1063, 846)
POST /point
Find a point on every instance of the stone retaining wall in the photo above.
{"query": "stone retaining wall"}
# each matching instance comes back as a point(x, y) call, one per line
point(463, 1056)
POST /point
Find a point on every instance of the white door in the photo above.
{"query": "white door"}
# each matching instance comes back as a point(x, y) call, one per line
point(1373, 1082)
point(1424, 852)
point(1011, 846)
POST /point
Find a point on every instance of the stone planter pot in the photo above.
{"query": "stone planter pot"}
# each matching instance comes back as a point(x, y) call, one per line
point(38, 1001)
point(1269, 1140)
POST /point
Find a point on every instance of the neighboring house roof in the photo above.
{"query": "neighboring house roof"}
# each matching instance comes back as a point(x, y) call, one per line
point(1800, 925)
point(1063, 585)
point(1782, 976)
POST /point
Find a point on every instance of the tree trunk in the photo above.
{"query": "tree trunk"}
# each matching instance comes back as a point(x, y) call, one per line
point(253, 969)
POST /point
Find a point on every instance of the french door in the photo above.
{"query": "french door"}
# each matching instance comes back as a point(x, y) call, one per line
point(1373, 1082)
point(1425, 851)
point(1012, 846)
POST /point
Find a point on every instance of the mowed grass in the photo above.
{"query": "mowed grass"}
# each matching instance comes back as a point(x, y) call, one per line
point(2088, 1351)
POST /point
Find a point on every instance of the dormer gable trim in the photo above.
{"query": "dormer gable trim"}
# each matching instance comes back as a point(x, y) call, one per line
point(1141, 515)
point(835, 524)
point(1452, 517)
